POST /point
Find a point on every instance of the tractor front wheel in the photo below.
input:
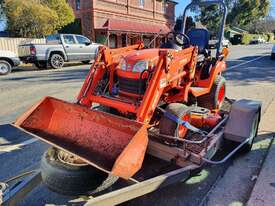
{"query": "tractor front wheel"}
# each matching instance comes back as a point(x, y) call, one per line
point(214, 99)
point(67, 175)
point(172, 128)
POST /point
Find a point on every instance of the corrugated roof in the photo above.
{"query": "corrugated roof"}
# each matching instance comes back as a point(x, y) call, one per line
point(130, 26)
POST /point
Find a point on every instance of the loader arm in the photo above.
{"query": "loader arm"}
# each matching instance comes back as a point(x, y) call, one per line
point(173, 69)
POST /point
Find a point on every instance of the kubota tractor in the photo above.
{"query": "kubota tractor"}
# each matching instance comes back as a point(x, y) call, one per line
point(174, 91)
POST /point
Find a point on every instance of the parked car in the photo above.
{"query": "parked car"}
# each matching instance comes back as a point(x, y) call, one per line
point(59, 48)
point(273, 52)
point(258, 41)
point(225, 43)
point(8, 60)
point(213, 43)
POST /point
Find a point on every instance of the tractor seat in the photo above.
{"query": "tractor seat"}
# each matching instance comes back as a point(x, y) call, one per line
point(200, 38)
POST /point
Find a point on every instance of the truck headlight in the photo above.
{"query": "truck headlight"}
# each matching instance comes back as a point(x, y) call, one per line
point(140, 66)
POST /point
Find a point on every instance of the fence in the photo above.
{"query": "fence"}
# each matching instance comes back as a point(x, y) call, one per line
point(11, 44)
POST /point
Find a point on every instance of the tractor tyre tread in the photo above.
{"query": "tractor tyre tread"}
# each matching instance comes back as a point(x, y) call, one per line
point(169, 127)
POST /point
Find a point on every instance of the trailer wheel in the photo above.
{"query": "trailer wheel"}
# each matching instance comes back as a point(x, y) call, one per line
point(69, 179)
point(215, 99)
point(171, 128)
point(254, 132)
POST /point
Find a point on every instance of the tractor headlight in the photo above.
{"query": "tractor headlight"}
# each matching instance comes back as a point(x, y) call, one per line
point(140, 66)
point(123, 65)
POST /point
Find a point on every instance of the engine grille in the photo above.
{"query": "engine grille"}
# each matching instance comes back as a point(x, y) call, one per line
point(134, 86)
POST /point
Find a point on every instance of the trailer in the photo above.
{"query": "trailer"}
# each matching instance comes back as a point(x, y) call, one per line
point(164, 165)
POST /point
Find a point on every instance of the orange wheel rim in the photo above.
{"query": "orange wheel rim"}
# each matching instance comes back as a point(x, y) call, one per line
point(221, 95)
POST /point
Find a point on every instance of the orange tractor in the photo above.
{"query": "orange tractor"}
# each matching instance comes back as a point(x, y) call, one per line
point(136, 102)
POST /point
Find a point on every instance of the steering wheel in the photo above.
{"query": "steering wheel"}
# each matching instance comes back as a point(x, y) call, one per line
point(180, 39)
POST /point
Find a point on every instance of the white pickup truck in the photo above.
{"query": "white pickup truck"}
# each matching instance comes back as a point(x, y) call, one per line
point(59, 48)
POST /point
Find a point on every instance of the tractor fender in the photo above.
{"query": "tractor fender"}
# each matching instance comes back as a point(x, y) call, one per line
point(241, 117)
point(216, 70)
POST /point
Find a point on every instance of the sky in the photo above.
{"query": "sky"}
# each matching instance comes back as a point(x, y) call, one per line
point(182, 4)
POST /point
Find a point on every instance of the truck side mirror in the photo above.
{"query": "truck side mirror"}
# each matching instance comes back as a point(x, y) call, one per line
point(88, 43)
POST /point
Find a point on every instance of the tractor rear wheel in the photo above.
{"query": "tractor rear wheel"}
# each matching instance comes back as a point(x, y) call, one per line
point(64, 174)
point(172, 128)
point(214, 99)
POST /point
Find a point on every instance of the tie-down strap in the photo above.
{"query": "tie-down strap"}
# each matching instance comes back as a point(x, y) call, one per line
point(179, 121)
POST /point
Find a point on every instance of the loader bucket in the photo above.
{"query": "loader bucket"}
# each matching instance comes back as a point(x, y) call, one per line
point(110, 143)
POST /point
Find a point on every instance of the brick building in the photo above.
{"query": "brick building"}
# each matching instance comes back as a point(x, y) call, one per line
point(118, 23)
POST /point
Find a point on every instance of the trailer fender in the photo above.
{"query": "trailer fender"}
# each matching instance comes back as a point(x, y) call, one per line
point(241, 122)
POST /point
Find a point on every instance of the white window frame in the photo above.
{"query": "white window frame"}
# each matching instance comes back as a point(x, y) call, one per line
point(164, 6)
point(141, 3)
point(78, 5)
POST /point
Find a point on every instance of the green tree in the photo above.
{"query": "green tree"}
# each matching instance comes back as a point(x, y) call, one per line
point(244, 12)
point(63, 10)
point(34, 18)
point(241, 13)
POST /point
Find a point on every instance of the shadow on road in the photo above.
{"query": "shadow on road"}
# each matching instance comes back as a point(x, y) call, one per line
point(194, 190)
point(58, 75)
point(262, 70)
point(31, 68)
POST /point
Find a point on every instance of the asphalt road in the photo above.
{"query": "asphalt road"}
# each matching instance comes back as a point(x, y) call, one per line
point(250, 74)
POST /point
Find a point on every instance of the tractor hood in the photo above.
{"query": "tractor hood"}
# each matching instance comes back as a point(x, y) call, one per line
point(142, 55)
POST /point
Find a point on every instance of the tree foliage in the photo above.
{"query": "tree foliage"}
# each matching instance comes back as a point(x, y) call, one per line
point(34, 18)
point(63, 10)
point(241, 13)
point(244, 12)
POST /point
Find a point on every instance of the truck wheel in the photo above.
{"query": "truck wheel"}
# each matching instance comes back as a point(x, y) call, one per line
point(41, 64)
point(5, 67)
point(214, 99)
point(64, 174)
point(171, 128)
point(86, 62)
point(56, 61)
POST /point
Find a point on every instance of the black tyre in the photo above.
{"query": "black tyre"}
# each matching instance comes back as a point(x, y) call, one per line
point(5, 67)
point(41, 64)
point(56, 61)
point(254, 132)
point(86, 62)
point(69, 179)
point(214, 99)
point(171, 128)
